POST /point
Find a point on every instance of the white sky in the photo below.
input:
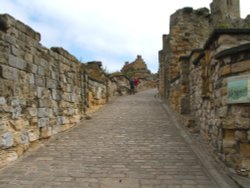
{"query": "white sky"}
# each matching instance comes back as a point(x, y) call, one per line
point(111, 31)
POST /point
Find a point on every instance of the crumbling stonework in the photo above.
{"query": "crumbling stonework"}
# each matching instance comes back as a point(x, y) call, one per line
point(42, 91)
point(184, 36)
point(198, 86)
point(137, 68)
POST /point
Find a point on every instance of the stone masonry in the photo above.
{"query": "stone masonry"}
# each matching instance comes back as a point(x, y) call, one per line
point(42, 91)
point(184, 36)
point(45, 91)
point(197, 85)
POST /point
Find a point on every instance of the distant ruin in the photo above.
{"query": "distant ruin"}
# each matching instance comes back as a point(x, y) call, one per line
point(203, 56)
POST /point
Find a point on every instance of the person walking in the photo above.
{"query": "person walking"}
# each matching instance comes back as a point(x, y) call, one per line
point(132, 86)
point(136, 82)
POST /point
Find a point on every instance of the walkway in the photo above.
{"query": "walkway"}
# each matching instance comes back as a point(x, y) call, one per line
point(130, 143)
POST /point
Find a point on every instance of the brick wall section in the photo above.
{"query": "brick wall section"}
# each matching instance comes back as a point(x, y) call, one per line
point(42, 91)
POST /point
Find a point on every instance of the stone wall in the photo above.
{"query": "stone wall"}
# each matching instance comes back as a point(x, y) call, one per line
point(225, 126)
point(42, 91)
point(184, 36)
point(194, 73)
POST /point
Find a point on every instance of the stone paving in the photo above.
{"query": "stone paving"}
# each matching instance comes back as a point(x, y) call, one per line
point(130, 143)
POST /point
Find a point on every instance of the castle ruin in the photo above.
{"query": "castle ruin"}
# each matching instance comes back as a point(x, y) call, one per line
point(204, 75)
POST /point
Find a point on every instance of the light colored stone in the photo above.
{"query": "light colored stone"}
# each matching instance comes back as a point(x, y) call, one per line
point(19, 124)
point(16, 112)
point(6, 140)
point(21, 138)
point(44, 112)
point(46, 132)
point(61, 120)
point(3, 101)
point(43, 122)
point(32, 112)
point(33, 134)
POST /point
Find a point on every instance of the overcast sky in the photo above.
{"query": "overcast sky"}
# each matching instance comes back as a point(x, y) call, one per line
point(111, 31)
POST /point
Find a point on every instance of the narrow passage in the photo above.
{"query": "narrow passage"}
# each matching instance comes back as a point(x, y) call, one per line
point(130, 143)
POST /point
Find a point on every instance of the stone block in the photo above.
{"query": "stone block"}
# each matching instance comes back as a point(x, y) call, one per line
point(44, 63)
point(6, 140)
point(17, 62)
point(56, 95)
point(3, 101)
point(222, 111)
point(46, 132)
point(33, 122)
point(4, 126)
point(228, 134)
point(225, 70)
point(228, 123)
point(41, 92)
point(32, 112)
point(43, 122)
point(16, 112)
point(45, 103)
point(8, 73)
point(52, 84)
point(40, 81)
point(61, 120)
point(45, 112)
point(28, 58)
point(248, 135)
point(31, 79)
point(21, 138)
point(41, 71)
point(70, 111)
point(240, 136)
point(241, 66)
point(245, 149)
point(229, 143)
point(242, 123)
point(33, 134)
point(75, 119)
point(245, 164)
point(19, 124)
point(32, 68)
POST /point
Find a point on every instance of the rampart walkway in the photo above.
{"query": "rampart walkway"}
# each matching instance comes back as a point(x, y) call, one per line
point(130, 143)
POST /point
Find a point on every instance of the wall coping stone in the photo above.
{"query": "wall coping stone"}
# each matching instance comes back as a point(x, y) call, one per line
point(233, 51)
point(217, 32)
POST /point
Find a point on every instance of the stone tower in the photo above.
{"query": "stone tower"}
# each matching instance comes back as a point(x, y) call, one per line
point(225, 12)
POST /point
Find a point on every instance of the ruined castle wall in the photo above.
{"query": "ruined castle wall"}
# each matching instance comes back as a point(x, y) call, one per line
point(42, 91)
point(189, 30)
point(164, 56)
point(225, 126)
point(97, 94)
point(224, 12)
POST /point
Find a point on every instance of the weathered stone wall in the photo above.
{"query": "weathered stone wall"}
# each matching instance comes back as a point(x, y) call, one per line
point(97, 94)
point(42, 91)
point(122, 84)
point(229, 124)
point(164, 77)
point(184, 36)
point(225, 126)
point(196, 61)
point(225, 13)
point(194, 81)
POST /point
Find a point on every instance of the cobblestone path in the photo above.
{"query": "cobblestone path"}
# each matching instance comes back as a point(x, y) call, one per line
point(130, 143)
